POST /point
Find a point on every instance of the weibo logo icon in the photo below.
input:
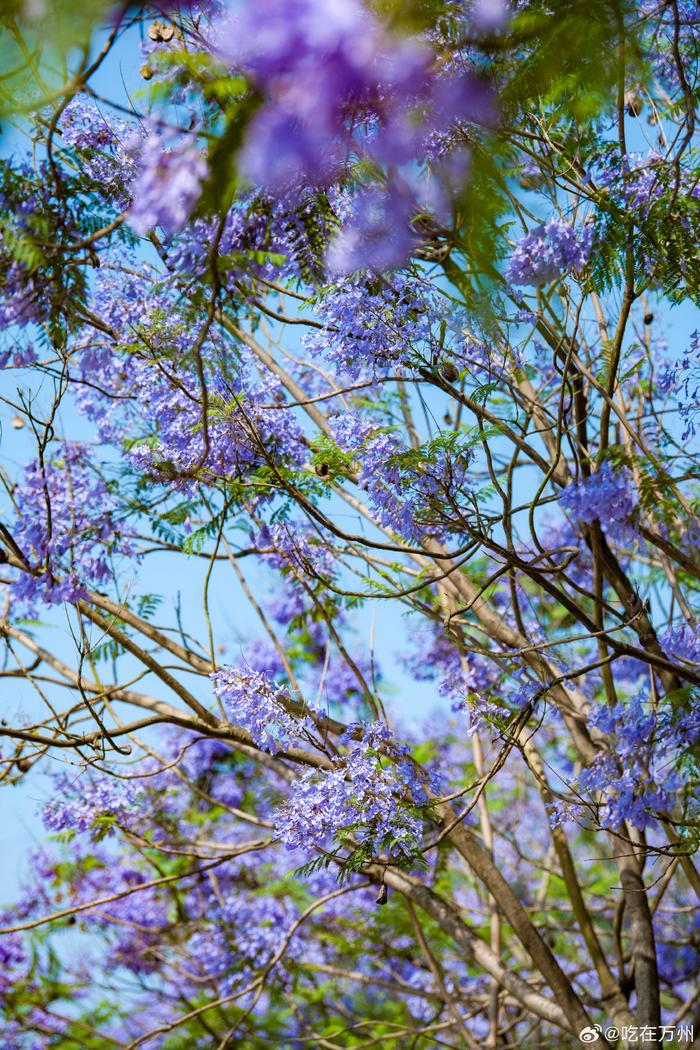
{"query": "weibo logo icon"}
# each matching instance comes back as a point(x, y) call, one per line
point(590, 1034)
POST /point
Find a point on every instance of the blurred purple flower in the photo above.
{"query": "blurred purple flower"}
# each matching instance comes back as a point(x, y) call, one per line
point(167, 185)
point(336, 85)
point(489, 15)
point(377, 237)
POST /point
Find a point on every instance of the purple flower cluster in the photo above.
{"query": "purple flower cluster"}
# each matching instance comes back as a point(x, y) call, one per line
point(242, 934)
point(167, 185)
point(682, 641)
point(670, 32)
point(24, 297)
point(21, 299)
point(642, 186)
point(162, 409)
point(315, 65)
point(548, 251)
point(297, 545)
point(12, 956)
point(483, 714)
point(106, 144)
point(408, 489)
point(434, 656)
point(83, 125)
point(372, 328)
point(139, 917)
point(91, 802)
point(259, 705)
point(490, 15)
point(270, 236)
point(608, 496)
point(378, 236)
point(66, 528)
point(679, 957)
point(682, 379)
point(237, 428)
point(366, 794)
point(643, 771)
point(638, 181)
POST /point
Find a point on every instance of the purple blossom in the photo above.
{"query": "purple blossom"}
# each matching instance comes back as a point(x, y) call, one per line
point(287, 604)
point(260, 654)
point(162, 411)
point(66, 528)
point(377, 237)
point(490, 15)
point(260, 706)
point(549, 251)
point(336, 86)
point(636, 182)
point(21, 298)
point(678, 962)
point(242, 934)
point(371, 327)
point(682, 379)
point(91, 802)
point(106, 144)
point(83, 125)
point(12, 956)
point(315, 63)
point(341, 684)
point(364, 793)
point(409, 490)
point(483, 714)
point(167, 185)
point(609, 496)
point(682, 641)
point(289, 544)
point(643, 771)
point(434, 656)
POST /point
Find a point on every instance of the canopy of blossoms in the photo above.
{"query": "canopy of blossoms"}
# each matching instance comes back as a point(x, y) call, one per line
point(349, 385)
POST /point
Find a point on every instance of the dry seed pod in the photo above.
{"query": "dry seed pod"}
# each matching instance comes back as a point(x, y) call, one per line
point(161, 32)
point(530, 180)
point(449, 372)
point(633, 103)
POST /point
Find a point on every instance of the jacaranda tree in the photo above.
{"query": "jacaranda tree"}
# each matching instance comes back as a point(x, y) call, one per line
point(328, 323)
